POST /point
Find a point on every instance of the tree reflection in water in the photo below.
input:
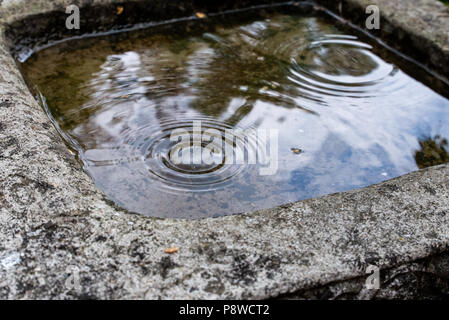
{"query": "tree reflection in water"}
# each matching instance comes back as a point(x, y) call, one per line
point(433, 152)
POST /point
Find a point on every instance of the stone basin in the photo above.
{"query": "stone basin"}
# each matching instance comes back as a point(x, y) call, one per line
point(56, 224)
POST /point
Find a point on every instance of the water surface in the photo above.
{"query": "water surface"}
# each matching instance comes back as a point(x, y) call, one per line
point(347, 117)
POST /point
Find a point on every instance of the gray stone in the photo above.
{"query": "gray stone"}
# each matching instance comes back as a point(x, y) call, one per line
point(56, 225)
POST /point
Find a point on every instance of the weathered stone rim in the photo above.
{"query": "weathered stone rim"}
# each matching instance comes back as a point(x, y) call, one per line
point(255, 255)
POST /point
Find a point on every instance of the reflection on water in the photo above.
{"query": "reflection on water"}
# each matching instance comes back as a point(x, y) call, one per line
point(432, 152)
point(354, 117)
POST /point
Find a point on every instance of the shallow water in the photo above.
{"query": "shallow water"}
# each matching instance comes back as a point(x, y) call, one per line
point(346, 117)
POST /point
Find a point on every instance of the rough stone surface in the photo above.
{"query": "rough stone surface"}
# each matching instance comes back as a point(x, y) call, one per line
point(422, 279)
point(55, 225)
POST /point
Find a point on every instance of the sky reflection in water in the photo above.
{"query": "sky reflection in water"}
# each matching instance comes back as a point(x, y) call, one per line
point(357, 118)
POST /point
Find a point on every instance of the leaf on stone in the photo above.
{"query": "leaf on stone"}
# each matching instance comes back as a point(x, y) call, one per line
point(171, 250)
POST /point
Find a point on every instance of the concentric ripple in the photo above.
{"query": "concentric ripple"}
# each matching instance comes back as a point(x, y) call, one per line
point(199, 154)
point(341, 66)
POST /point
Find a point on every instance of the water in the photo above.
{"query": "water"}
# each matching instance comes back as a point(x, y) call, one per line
point(347, 115)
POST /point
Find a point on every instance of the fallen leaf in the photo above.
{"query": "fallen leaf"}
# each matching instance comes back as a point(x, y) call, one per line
point(120, 10)
point(296, 150)
point(200, 15)
point(171, 250)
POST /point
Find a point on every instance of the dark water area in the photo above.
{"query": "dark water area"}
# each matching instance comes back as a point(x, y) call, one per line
point(346, 114)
